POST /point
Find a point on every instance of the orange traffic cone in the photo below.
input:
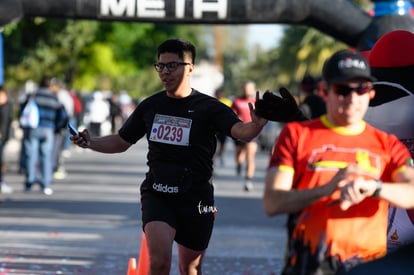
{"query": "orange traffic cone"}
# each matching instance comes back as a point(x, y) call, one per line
point(132, 267)
point(144, 261)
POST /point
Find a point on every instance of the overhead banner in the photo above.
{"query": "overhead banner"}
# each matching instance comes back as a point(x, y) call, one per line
point(193, 11)
point(321, 14)
point(341, 19)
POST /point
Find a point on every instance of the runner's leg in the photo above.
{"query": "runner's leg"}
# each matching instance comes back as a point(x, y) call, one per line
point(160, 237)
point(190, 261)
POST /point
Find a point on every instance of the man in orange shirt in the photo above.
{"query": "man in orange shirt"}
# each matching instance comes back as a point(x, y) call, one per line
point(335, 176)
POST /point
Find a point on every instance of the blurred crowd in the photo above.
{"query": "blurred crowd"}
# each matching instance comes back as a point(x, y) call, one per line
point(45, 147)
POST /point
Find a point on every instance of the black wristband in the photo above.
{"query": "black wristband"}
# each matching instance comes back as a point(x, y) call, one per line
point(378, 189)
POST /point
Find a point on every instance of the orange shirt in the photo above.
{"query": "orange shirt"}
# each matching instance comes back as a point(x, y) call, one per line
point(316, 151)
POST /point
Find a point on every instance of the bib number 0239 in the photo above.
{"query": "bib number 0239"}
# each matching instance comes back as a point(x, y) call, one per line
point(171, 130)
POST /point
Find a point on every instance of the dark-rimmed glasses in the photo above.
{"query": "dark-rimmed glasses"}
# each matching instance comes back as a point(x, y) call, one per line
point(171, 66)
point(345, 90)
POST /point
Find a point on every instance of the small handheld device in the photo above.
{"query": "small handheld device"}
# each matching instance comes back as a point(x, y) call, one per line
point(72, 130)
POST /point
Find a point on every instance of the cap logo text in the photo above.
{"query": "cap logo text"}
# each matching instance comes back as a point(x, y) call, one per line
point(352, 63)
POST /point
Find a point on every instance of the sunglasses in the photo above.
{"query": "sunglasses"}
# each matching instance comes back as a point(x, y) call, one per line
point(171, 66)
point(345, 90)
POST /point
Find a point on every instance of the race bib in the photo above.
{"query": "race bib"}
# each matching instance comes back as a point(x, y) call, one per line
point(171, 130)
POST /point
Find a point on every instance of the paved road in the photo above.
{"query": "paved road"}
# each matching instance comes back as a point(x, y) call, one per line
point(91, 224)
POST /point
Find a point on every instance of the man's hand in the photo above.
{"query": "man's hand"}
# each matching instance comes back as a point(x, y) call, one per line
point(353, 186)
point(280, 109)
point(356, 191)
point(82, 139)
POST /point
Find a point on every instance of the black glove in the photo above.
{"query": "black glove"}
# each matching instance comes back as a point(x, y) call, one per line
point(280, 109)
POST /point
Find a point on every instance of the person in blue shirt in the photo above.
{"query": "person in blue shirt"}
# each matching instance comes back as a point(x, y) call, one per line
point(38, 142)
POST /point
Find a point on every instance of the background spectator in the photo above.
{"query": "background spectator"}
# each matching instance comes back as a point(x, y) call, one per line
point(6, 117)
point(98, 113)
point(245, 151)
point(39, 142)
point(312, 105)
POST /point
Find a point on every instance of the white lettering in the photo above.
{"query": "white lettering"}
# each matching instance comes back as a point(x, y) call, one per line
point(352, 63)
point(156, 8)
point(205, 209)
point(180, 8)
point(220, 7)
point(118, 8)
point(151, 8)
point(165, 188)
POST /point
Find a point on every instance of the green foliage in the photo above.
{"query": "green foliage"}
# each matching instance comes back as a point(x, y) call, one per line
point(88, 55)
point(36, 47)
point(302, 50)
point(115, 56)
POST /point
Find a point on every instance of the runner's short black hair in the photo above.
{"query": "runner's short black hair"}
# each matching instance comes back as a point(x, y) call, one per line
point(177, 46)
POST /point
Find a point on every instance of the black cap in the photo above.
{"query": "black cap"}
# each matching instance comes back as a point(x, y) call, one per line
point(344, 66)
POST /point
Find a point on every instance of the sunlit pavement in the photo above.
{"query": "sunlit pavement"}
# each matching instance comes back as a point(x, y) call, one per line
point(91, 224)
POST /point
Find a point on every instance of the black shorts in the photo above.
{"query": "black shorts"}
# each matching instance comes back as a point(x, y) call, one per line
point(193, 221)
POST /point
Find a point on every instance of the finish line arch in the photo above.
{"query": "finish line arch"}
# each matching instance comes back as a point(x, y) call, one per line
point(340, 19)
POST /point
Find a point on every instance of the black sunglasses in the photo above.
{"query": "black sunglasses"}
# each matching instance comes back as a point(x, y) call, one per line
point(171, 66)
point(344, 90)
